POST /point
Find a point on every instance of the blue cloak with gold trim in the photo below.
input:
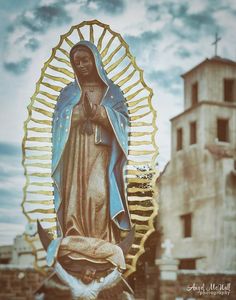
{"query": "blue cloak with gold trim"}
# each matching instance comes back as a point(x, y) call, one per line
point(114, 104)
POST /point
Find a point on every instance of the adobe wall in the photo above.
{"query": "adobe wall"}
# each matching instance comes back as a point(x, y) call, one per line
point(18, 283)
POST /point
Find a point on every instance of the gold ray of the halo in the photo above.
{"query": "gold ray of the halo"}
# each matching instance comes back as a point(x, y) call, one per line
point(134, 110)
point(39, 139)
point(142, 178)
point(42, 202)
point(52, 228)
point(43, 111)
point(140, 124)
point(140, 207)
point(136, 102)
point(104, 52)
point(38, 157)
point(139, 180)
point(139, 143)
point(39, 165)
point(40, 253)
point(122, 72)
point(40, 250)
point(64, 61)
point(116, 63)
point(43, 130)
point(128, 98)
point(56, 78)
point(138, 134)
point(129, 256)
point(35, 148)
point(131, 267)
point(40, 121)
point(139, 235)
point(41, 192)
point(129, 88)
point(113, 53)
point(64, 52)
point(62, 70)
point(99, 45)
point(141, 152)
point(126, 79)
point(136, 208)
point(33, 238)
point(91, 34)
point(69, 42)
point(137, 163)
point(49, 219)
point(41, 210)
point(142, 190)
point(46, 103)
point(141, 198)
point(41, 268)
point(48, 95)
point(138, 172)
point(134, 118)
point(41, 184)
point(80, 34)
point(52, 86)
point(36, 174)
point(141, 227)
point(135, 246)
point(41, 259)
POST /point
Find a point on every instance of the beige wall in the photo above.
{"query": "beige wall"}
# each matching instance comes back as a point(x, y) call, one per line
point(206, 116)
point(22, 252)
point(5, 252)
point(195, 183)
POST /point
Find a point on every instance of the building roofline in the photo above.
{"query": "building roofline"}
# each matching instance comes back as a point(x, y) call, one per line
point(214, 59)
point(224, 104)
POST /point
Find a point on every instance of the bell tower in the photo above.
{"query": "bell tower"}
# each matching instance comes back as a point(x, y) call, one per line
point(209, 105)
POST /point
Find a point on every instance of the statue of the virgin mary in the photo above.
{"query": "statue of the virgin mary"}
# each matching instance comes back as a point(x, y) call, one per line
point(90, 147)
point(75, 151)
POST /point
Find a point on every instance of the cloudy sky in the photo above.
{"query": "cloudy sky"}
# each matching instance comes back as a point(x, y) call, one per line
point(167, 37)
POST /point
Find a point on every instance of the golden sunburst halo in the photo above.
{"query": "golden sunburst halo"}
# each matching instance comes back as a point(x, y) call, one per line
point(120, 66)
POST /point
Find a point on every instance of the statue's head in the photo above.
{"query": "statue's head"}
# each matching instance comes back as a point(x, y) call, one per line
point(82, 61)
point(88, 275)
point(87, 62)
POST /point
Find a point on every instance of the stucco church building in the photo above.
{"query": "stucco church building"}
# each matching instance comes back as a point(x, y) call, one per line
point(198, 186)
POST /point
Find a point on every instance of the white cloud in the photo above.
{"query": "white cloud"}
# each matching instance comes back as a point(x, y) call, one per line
point(93, 5)
point(13, 183)
point(48, 2)
point(196, 6)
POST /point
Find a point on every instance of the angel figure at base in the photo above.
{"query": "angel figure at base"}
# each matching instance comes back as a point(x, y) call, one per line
point(90, 148)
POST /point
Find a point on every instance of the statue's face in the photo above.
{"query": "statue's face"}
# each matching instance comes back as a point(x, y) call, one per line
point(83, 62)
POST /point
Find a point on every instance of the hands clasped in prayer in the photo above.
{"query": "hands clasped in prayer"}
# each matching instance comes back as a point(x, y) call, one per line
point(83, 113)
